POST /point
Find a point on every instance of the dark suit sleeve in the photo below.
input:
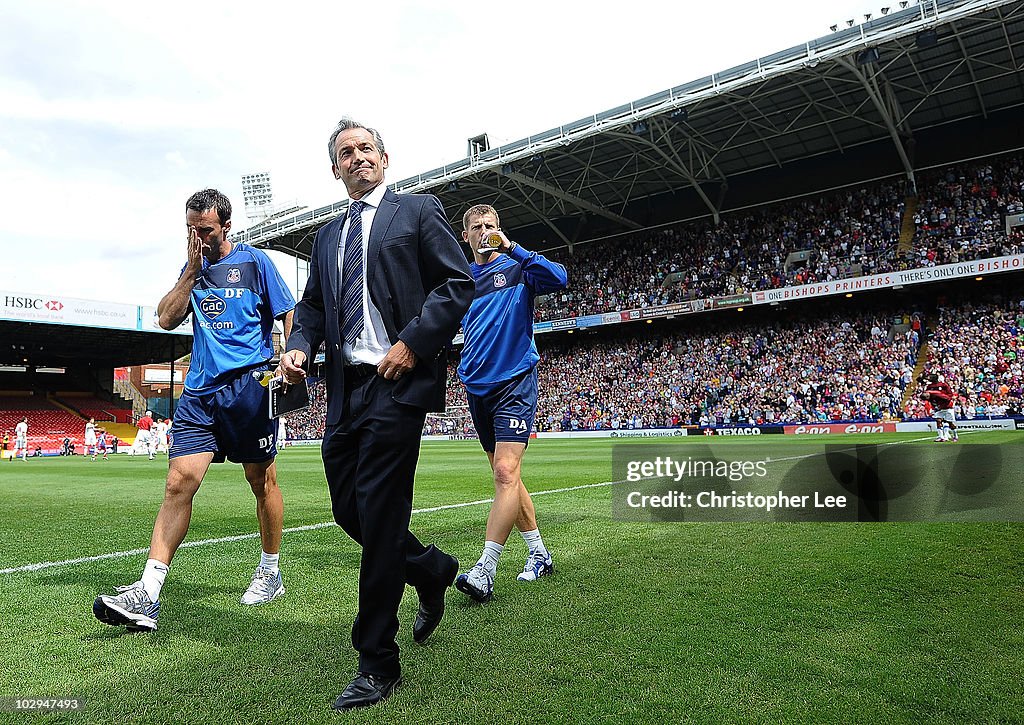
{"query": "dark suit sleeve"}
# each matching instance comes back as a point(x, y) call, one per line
point(446, 278)
point(308, 324)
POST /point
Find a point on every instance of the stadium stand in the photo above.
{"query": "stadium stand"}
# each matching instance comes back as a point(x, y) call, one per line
point(958, 216)
point(93, 407)
point(976, 348)
point(48, 424)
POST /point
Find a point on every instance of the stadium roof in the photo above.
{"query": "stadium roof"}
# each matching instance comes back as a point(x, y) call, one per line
point(43, 344)
point(915, 68)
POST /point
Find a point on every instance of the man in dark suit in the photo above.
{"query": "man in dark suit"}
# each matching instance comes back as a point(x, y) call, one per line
point(388, 286)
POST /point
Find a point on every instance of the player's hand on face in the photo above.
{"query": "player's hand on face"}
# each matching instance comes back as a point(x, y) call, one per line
point(195, 249)
point(290, 367)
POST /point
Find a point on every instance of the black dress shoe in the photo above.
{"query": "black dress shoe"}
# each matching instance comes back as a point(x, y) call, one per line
point(432, 604)
point(366, 690)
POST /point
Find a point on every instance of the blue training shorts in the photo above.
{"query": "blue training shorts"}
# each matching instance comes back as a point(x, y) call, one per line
point(233, 422)
point(507, 412)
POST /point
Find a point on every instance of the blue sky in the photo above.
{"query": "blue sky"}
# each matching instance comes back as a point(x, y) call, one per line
point(113, 113)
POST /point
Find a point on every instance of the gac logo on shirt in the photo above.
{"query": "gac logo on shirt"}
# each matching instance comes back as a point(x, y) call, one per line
point(499, 280)
point(212, 306)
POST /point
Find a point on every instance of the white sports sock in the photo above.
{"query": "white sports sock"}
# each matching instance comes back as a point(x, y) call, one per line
point(489, 559)
point(533, 541)
point(269, 561)
point(153, 577)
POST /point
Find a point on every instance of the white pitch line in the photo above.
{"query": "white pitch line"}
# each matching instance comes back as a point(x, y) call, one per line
point(327, 524)
point(255, 535)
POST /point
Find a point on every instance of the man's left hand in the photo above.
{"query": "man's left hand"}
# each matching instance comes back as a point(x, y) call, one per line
point(399, 360)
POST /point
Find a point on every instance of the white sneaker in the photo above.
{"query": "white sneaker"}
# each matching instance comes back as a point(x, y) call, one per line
point(477, 583)
point(266, 586)
point(538, 564)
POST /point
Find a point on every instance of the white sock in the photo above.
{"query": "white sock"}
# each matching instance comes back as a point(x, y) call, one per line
point(489, 559)
point(153, 578)
point(269, 561)
point(533, 541)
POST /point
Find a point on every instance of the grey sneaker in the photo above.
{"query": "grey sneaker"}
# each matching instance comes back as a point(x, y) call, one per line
point(266, 586)
point(131, 606)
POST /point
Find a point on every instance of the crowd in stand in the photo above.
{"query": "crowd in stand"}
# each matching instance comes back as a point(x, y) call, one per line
point(976, 349)
point(839, 366)
point(961, 211)
point(959, 216)
point(834, 368)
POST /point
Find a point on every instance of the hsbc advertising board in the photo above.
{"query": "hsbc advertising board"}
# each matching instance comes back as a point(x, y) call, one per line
point(67, 311)
point(826, 428)
point(60, 310)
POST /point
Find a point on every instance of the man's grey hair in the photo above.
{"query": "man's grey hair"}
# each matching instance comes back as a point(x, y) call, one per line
point(347, 123)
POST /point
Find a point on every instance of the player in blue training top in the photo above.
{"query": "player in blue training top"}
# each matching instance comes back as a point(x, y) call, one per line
point(499, 370)
point(234, 293)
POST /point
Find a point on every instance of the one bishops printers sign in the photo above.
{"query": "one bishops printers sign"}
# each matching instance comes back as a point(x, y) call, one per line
point(1013, 263)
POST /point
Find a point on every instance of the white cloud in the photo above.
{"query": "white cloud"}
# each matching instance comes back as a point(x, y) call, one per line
point(112, 114)
point(174, 158)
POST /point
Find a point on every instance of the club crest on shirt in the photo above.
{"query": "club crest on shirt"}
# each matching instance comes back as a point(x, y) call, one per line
point(212, 306)
point(234, 275)
point(499, 280)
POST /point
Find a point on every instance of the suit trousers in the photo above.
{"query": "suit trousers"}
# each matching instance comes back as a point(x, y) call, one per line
point(370, 461)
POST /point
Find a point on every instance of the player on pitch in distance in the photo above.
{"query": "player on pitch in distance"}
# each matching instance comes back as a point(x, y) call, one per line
point(234, 293)
point(499, 370)
point(941, 397)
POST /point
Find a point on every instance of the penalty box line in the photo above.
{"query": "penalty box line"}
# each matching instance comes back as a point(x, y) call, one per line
point(39, 566)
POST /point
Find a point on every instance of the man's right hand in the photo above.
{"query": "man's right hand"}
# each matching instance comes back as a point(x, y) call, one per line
point(195, 251)
point(290, 367)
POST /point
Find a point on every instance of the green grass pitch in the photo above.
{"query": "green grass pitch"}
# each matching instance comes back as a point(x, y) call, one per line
point(642, 622)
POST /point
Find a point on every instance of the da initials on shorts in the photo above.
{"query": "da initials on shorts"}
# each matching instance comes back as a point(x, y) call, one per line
point(517, 424)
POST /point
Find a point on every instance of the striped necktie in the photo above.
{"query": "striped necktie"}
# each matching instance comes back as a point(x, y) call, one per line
point(352, 276)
